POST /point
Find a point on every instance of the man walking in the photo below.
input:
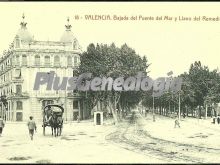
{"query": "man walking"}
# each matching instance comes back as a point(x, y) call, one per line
point(177, 123)
point(218, 119)
point(2, 124)
point(31, 127)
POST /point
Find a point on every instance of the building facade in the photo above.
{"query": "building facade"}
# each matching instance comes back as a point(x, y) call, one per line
point(19, 65)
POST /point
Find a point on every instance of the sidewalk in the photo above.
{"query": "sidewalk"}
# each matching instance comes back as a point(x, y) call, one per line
point(204, 123)
point(193, 131)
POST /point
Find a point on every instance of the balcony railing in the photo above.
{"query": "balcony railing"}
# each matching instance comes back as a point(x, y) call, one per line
point(72, 94)
point(20, 94)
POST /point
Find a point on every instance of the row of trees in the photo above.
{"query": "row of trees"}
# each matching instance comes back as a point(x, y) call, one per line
point(200, 91)
point(111, 61)
point(200, 87)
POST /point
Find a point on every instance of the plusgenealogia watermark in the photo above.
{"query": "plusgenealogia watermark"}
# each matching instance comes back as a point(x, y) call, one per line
point(85, 82)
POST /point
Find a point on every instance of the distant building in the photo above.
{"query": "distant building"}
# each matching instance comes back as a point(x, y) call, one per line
point(19, 65)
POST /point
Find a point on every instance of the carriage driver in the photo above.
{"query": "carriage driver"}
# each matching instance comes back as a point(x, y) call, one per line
point(48, 114)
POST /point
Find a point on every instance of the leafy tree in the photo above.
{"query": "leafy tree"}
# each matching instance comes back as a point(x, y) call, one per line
point(201, 86)
point(111, 61)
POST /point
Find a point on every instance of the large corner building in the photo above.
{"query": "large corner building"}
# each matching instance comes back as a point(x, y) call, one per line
point(19, 65)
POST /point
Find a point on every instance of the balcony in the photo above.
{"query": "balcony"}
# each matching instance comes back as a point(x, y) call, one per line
point(24, 64)
point(19, 95)
point(75, 67)
point(47, 94)
point(7, 68)
point(18, 79)
point(73, 94)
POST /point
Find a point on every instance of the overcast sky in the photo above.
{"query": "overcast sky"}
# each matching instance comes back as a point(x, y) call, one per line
point(168, 45)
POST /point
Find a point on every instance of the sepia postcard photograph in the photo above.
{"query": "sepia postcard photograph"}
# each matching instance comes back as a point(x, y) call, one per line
point(109, 82)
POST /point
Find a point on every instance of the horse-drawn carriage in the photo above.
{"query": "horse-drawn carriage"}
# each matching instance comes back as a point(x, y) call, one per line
point(53, 117)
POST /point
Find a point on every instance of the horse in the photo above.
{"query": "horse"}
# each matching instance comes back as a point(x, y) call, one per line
point(56, 123)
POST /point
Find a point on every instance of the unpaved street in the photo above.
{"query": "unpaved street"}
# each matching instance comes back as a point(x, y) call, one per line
point(135, 136)
point(80, 143)
point(136, 140)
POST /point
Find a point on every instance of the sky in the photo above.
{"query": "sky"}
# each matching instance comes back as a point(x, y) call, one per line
point(168, 45)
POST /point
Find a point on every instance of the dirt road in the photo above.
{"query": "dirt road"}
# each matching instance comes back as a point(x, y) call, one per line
point(133, 135)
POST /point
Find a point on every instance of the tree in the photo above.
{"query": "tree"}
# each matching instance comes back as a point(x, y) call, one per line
point(111, 61)
point(201, 86)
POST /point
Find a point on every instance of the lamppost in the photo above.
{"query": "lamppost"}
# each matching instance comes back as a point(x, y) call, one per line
point(179, 106)
point(206, 106)
point(153, 109)
point(169, 74)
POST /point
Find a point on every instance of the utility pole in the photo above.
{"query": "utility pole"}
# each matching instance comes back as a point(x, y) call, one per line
point(179, 105)
point(153, 110)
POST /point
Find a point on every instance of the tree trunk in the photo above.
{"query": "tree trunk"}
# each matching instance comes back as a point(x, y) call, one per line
point(120, 112)
point(113, 107)
point(114, 114)
point(187, 111)
point(200, 112)
point(206, 109)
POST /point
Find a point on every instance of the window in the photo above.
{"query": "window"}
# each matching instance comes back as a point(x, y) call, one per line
point(47, 60)
point(6, 76)
point(75, 73)
point(75, 44)
point(56, 61)
point(75, 61)
point(17, 73)
point(24, 59)
point(19, 105)
point(17, 43)
point(37, 60)
point(18, 89)
point(19, 116)
point(69, 61)
point(17, 62)
point(75, 104)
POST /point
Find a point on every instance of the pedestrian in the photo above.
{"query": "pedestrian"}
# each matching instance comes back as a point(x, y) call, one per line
point(218, 119)
point(78, 118)
point(184, 115)
point(177, 123)
point(2, 124)
point(31, 127)
point(213, 120)
point(49, 114)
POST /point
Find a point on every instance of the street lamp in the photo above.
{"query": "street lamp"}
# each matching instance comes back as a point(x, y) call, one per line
point(179, 105)
point(169, 74)
point(153, 109)
point(207, 86)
